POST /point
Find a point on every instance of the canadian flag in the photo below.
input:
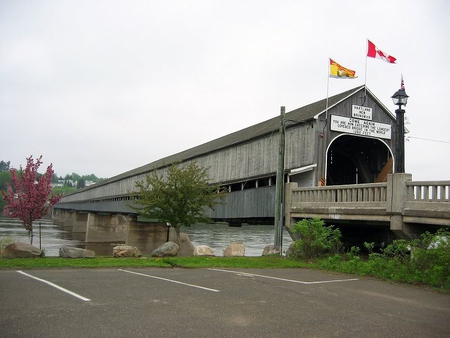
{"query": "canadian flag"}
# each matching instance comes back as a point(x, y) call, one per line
point(374, 52)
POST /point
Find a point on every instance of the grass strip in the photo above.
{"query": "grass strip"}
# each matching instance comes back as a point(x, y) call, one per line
point(182, 262)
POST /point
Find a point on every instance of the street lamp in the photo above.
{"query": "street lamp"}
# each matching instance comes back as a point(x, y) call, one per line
point(400, 98)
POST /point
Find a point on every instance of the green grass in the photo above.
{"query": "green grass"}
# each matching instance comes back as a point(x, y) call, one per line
point(182, 262)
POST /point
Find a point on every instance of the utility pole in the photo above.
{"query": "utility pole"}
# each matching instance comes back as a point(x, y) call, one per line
point(278, 238)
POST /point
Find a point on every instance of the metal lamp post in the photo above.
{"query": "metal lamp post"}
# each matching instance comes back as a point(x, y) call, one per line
point(400, 99)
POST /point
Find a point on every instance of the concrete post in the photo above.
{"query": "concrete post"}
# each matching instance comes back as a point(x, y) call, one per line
point(288, 202)
point(396, 197)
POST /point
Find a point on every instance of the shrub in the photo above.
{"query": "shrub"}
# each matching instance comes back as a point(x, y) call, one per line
point(315, 239)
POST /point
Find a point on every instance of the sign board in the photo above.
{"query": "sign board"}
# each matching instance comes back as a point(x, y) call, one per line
point(360, 127)
point(361, 112)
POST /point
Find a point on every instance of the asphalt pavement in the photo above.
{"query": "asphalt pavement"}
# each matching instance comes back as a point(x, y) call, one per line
point(154, 302)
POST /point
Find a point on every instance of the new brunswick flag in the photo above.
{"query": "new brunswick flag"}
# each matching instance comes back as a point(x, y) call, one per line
point(339, 72)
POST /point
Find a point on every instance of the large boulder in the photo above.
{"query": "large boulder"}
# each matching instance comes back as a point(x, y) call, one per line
point(126, 251)
point(235, 249)
point(21, 250)
point(204, 250)
point(73, 252)
point(169, 249)
point(271, 250)
point(186, 246)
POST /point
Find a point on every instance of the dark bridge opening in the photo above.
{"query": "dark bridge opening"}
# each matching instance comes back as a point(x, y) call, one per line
point(353, 160)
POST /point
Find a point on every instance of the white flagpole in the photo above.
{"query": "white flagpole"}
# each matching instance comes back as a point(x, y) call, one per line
point(328, 85)
point(323, 179)
point(365, 75)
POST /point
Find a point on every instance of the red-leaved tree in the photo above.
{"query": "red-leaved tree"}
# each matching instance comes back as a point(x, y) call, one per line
point(27, 198)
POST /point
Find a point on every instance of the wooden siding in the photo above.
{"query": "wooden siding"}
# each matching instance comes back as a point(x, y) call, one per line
point(251, 203)
point(250, 153)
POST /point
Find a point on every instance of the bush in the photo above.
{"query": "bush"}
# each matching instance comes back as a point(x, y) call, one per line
point(316, 239)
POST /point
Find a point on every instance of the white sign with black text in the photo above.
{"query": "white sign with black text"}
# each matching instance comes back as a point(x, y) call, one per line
point(360, 127)
point(360, 112)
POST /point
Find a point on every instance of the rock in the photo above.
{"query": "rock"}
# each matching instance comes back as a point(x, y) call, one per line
point(169, 249)
point(271, 250)
point(291, 250)
point(186, 246)
point(235, 249)
point(203, 250)
point(126, 251)
point(21, 250)
point(72, 252)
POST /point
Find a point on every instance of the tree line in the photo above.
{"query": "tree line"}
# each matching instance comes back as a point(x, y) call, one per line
point(73, 180)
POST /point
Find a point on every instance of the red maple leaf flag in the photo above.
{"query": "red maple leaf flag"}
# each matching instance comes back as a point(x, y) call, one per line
point(374, 52)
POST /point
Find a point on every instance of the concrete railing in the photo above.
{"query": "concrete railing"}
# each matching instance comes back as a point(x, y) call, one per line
point(395, 202)
point(341, 194)
point(434, 191)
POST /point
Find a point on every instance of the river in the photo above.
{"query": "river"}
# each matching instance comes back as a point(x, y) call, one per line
point(50, 237)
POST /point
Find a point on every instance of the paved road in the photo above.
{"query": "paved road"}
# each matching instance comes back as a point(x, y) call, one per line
point(152, 302)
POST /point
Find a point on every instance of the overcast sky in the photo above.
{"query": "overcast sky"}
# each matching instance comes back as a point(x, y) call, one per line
point(104, 87)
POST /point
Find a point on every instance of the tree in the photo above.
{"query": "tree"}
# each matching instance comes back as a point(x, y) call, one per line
point(28, 196)
point(4, 166)
point(180, 197)
point(5, 177)
point(81, 183)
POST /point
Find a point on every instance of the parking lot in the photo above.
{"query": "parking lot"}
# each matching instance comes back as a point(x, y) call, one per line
point(152, 302)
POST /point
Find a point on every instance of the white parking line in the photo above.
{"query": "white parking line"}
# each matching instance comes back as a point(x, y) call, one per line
point(284, 279)
point(169, 280)
point(56, 286)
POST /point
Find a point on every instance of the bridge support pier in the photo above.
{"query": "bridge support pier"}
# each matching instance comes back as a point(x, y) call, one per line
point(69, 216)
point(106, 228)
point(80, 222)
point(58, 216)
point(149, 236)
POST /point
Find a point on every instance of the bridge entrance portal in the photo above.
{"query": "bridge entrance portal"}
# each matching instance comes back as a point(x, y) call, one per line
point(353, 159)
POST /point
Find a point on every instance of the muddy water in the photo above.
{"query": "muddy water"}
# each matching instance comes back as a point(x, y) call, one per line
point(50, 237)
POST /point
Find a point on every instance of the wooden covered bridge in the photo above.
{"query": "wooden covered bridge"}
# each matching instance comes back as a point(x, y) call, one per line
point(338, 166)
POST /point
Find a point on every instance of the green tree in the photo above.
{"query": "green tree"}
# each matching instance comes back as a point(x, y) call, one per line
point(179, 198)
point(5, 177)
point(90, 177)
point(4, 166)
point(54, 178)
point(75, 177)
point(81, 183)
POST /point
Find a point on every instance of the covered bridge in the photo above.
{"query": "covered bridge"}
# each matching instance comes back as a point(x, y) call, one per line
point(343, 139)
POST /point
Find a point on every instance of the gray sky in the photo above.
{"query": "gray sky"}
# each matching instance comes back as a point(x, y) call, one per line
point(106, 86)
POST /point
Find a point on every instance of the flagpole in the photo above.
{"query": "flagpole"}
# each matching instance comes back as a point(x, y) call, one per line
point(328, 85)
point(365, 77)
point(323, 179)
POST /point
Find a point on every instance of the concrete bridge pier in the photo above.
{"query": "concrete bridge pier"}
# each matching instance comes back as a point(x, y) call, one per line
point(69, 216)
point(58, 216)
point(106, 228)
point(149, 236)
point(80, 222)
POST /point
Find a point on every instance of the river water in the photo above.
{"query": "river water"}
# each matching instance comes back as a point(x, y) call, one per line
point(50, 237)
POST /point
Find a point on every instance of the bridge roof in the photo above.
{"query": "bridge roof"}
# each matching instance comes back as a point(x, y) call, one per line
point(301, 115)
